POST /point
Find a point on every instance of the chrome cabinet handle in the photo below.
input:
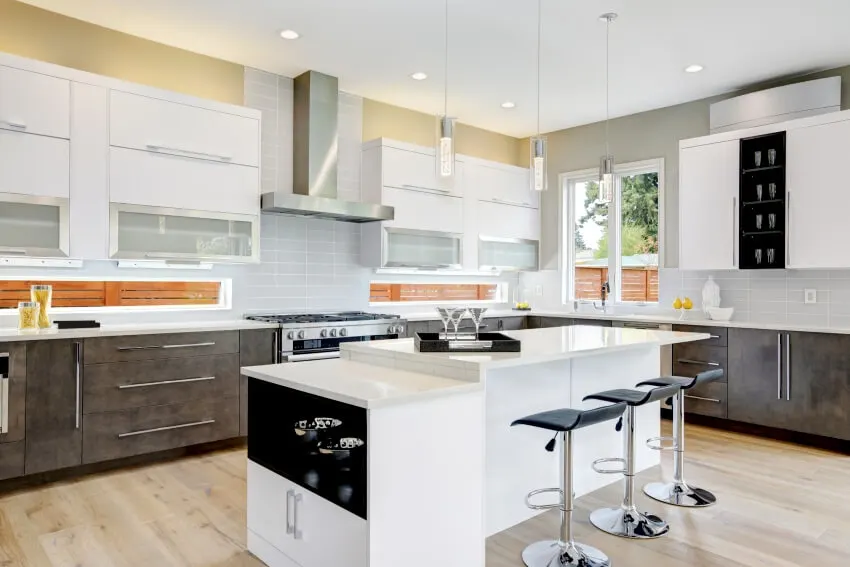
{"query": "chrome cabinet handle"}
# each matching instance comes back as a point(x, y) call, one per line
point(297, 534)
point(699, 362)
point(778, 366)
point(158, 147)
point(421, 188)
point(167, 428)
point(787, 367)
point(507, 202)
point(164, 382)
point(712, 400)
point(78, 375)
point(290, 495)
point(14, 124)
point(155, 347)
point(310, 356)
point(713, 336)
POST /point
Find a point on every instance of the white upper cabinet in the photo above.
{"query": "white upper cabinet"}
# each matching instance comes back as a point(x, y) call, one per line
point(818, 196)
point(34, 103)
point(34, 165)
point(708, 206)
point(508, 221)
point(424, 211)
point(161, 126)
point(501, 184)
point(411, 169)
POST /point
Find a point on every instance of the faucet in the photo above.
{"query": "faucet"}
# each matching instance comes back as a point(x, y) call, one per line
point(606, 289)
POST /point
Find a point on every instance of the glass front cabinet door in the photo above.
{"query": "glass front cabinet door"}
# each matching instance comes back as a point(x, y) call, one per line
point(156, 233)
point(508, 254)
point(34, 226)
point(409, 248)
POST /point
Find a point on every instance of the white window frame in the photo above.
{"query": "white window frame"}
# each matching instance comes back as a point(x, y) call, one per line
point(566, 181)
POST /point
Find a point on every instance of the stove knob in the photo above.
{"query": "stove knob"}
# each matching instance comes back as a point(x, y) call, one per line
point(343, 332)
point(300, 334)
point(399, 329)
point(324, 333)
point(333, 332)
point(290, 335)
point(391, 329)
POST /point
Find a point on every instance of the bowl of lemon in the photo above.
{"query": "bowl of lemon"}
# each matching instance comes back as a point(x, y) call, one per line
point(683, 305)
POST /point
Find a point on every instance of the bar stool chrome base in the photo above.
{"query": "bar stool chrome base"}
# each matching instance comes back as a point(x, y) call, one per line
point(629, 523)
point(679, 494)
point(556, 554)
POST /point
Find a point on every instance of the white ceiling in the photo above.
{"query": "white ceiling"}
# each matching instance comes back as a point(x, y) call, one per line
point(374, 45)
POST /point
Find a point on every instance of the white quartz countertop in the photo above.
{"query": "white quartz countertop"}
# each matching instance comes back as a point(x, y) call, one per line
point(362, 385)
point(692, 318)
point(12, 335)
point(538, 346)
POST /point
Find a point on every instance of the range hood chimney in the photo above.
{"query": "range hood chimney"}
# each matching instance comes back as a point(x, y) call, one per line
point(314, 163)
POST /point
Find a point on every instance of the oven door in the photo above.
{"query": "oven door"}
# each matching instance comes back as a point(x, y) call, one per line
point(322, 349)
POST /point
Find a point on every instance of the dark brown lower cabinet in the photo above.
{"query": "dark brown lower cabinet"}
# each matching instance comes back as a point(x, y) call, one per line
point(817, 383)
point(755, 378)
point(256, 347)
point(12, 459)
point(54, 405)
point(14, 411)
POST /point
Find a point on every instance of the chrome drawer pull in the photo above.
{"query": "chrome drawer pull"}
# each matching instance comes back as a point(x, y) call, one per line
point(713, 336)
point(422, 188)
point(164, 382)
point(157, 147)
point(191, 345)
point(155, 347)
point(169, 428)
point(700, 362)
point(703, 399)
point(14, 124)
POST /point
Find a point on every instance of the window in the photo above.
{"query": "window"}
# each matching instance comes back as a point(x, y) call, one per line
point(83, 293)
point(436, 293)
point(615, 242)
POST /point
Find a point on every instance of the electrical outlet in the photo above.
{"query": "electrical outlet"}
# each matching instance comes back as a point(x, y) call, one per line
point(538, 290)
point(810, 295)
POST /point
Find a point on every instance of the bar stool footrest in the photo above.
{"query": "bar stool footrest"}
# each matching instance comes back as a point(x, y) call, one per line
point(595, 465)
point(539, 491)
point(658, 443)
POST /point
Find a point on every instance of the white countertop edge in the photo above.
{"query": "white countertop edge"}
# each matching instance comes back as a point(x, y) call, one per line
point(692, 319)
point(457, 387)
point(14, 335)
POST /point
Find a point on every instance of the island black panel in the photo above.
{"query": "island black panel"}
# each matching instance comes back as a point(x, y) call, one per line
point(317, 443)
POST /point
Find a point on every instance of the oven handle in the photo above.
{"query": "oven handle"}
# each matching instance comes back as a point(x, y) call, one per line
point(310, 356)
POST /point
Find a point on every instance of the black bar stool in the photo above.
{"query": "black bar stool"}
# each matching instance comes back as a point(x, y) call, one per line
point(565, 551)
point(626, 520)
point(678, 492)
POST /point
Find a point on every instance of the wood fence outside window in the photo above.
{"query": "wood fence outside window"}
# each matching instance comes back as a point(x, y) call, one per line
point(381, 292)
point(113, 293)
point(639, 284)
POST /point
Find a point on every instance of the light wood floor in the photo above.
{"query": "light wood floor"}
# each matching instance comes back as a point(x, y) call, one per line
point(779, 505)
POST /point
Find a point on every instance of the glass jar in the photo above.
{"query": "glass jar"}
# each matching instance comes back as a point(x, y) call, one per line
point(43, 295)
point(28, 315)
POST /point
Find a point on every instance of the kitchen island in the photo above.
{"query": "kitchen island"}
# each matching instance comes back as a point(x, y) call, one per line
point(389, 456)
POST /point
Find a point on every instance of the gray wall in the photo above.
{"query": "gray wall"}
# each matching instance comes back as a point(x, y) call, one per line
point(639, 137)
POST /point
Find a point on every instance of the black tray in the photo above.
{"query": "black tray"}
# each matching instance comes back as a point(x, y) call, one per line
point(487, 342)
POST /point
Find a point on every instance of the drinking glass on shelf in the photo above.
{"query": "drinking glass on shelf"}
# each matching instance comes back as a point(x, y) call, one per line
point(758, 221)
point(771, 157)
point(476, 313)
point(758, 159)
point(771, 221)
point(771, 255)
point(759, 192)
point(758, 255)
point(445, 317)
point(771, 190)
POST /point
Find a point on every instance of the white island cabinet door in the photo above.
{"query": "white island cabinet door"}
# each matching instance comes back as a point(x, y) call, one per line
point(818, 196)
point(708, 206)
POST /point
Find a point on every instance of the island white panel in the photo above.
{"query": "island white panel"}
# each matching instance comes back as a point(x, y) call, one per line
point(426, 464)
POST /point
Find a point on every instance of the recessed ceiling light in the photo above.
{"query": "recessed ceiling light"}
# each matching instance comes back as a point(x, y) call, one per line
point(508, 104)
point(290, 34)
point(693, 68)
point(419, 76)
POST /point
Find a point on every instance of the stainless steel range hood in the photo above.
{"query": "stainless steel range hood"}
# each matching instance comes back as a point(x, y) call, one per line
point(314, 163)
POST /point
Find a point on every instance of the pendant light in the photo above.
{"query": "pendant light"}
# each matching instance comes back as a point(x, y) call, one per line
point(445, 151)
point(538, 160)
point(606, 163)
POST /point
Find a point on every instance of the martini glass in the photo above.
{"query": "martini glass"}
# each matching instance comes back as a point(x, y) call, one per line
point(476, 313)
point(457, 317)
point(445, 317)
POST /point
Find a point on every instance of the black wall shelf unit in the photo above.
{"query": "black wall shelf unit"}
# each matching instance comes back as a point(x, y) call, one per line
point(761, 210)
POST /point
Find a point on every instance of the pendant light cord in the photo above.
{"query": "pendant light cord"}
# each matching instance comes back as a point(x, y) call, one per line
point(446, 67)
point(539, 35)
point(607, 87)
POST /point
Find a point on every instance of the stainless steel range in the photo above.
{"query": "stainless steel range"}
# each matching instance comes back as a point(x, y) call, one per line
point(304, 336)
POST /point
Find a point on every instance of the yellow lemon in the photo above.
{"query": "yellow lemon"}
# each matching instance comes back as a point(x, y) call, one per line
point(687, 303)
point(677, 303)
